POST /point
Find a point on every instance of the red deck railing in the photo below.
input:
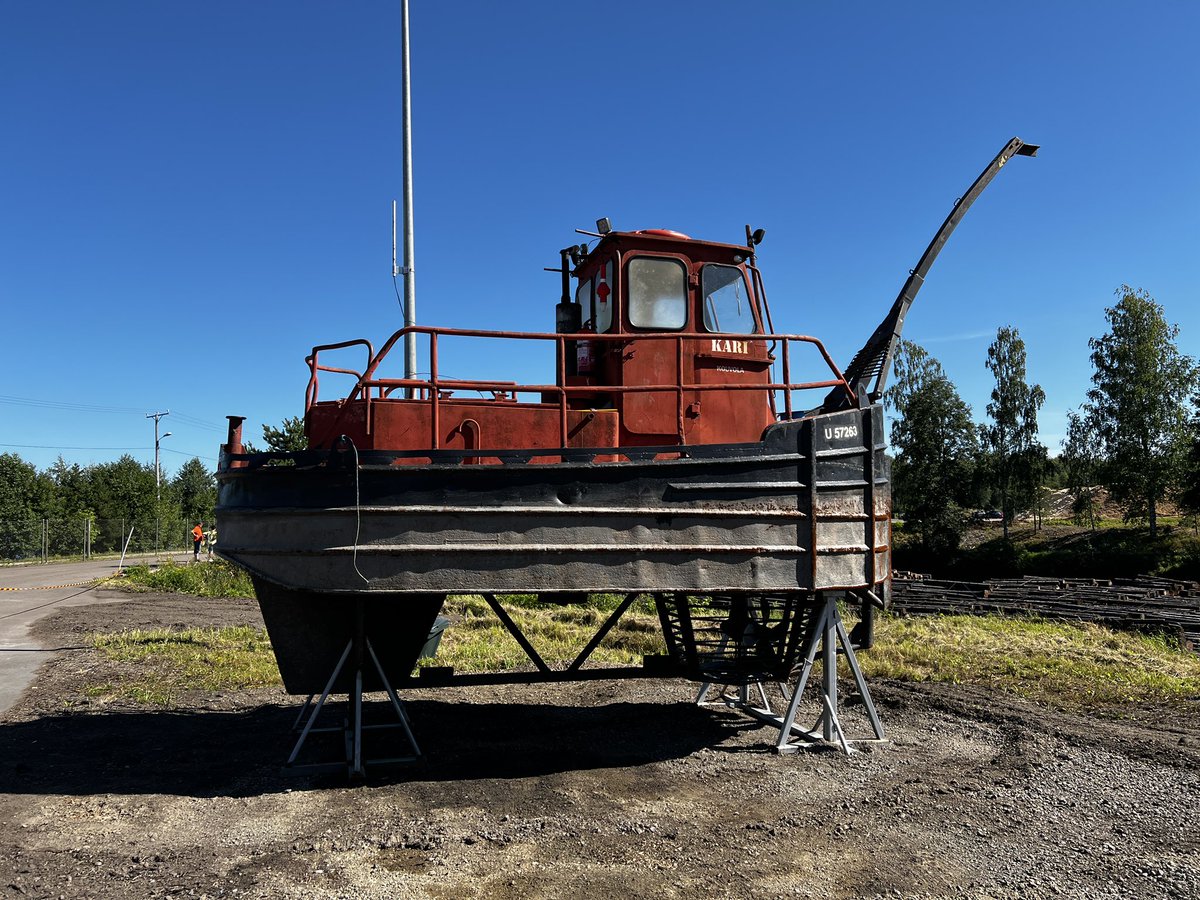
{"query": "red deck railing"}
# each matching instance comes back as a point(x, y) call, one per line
point(430, 389)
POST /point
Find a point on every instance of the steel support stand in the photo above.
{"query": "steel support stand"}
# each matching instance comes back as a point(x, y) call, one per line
point(702, 695)
point(826, 634)
point(303, 710)
point(359, 650)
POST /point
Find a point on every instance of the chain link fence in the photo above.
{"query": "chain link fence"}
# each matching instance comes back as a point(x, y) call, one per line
point(25, 540)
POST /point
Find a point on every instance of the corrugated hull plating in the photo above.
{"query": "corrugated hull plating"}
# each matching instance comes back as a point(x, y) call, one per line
point(808, 508)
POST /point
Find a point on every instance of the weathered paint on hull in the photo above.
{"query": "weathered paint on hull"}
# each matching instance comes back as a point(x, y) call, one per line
point(310, 631)
point(806, 509)
point(746, 519)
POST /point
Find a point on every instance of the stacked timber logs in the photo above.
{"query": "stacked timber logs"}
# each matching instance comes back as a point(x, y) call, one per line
point(1143, 604)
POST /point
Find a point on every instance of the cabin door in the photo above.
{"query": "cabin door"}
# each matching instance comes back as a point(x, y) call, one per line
point(656, 300)
point(731, 415)
point(651, 361)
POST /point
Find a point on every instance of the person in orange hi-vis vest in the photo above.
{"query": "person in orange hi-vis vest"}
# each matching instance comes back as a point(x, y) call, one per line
point(197, 537)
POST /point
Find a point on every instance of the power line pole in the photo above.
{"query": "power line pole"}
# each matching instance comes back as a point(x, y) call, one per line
point(157, 470)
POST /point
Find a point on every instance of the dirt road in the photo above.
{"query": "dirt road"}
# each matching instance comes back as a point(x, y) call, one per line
point(621, 789)
point(31, 592)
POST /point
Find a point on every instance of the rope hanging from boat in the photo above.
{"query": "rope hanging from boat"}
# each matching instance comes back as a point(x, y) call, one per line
point(357, 509)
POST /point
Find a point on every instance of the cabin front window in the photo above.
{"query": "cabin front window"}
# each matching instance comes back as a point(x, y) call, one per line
point(727, 307)
point(657, 294)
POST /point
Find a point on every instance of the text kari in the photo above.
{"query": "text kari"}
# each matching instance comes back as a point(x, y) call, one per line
point(727, 346)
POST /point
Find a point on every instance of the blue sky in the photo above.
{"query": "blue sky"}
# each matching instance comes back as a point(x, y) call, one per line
point(192, 195)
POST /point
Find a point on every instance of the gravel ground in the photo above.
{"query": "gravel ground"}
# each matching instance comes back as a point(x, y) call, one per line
point(593, 790)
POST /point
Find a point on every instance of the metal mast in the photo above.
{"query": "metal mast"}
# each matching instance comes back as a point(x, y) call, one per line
point(410, 291)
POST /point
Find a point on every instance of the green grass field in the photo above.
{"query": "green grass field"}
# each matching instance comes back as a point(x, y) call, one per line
point(1075, 666)
point(168, 663)
point(1069, 665)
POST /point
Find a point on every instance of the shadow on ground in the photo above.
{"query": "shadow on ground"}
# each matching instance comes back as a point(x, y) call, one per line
point(241, 753)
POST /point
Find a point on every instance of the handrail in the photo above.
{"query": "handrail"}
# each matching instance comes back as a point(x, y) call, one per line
point(310, 392)
point(430, 389)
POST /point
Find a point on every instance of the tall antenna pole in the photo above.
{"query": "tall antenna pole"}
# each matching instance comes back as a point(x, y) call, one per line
point(410, 290)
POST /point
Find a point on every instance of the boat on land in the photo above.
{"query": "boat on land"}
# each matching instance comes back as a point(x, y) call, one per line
point(681, 449)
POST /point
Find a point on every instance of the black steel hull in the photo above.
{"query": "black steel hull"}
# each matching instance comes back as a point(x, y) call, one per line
point(805, 510)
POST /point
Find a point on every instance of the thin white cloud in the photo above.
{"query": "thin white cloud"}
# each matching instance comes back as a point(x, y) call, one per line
point(950, 338)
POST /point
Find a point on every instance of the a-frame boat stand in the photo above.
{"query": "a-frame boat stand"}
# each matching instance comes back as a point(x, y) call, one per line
point(358, 654)
point(827, 636)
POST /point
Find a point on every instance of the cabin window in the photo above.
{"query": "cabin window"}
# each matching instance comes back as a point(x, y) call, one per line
point(583, 296)
point(595, 313)
point(727, 307)
point(657, 294)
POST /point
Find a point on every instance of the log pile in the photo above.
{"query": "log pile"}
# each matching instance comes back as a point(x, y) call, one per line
point(1144, 604)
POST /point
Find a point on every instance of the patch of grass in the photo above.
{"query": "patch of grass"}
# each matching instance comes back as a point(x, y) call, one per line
point(168, 663)
point(165, 664)
point(1071, 666)
point(216, 578)
point(478, 642)
point(1074, 666)
point(606, 603)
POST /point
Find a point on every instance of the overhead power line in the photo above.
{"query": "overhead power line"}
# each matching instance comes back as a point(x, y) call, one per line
point(71, 406)
point(53, 447)
point(126, 449)
point(185, 453)
point(192, 420)
point(66, 404)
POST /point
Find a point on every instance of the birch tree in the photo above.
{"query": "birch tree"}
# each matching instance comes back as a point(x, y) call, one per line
point(935, 444)
point(1139, 403)
point(1015, 458)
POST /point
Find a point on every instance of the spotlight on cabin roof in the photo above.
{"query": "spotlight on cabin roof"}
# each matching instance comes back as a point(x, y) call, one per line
point(604, 226)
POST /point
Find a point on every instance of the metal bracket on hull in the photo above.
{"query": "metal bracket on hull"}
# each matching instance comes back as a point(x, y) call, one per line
point(824, 635)
point(358, 650)
point(534, 657)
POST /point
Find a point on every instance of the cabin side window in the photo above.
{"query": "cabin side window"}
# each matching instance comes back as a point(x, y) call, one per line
point(657, 294)
point(727, 307)
point(604, 305)
point(583, 296)
point(597, 310)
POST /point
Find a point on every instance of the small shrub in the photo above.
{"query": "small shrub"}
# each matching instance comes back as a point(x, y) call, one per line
point(205, 579)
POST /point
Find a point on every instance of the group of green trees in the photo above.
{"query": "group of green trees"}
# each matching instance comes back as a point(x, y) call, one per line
point(69, 508)
point(1137, 432)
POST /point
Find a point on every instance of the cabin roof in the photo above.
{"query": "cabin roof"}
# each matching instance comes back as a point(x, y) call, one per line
point(663, 240)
